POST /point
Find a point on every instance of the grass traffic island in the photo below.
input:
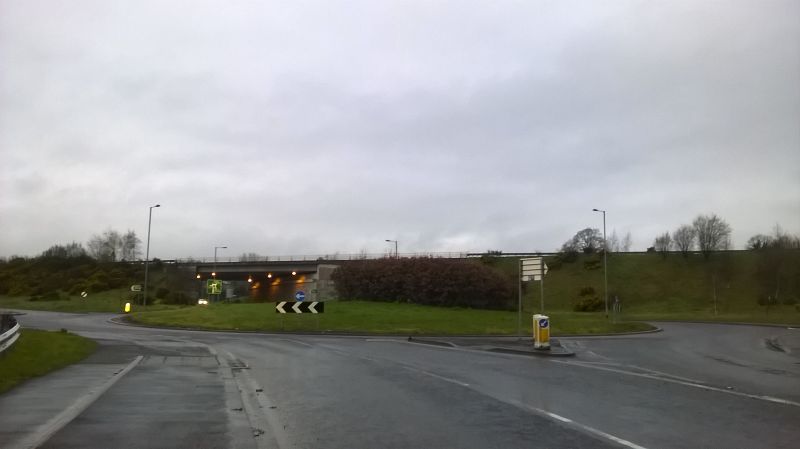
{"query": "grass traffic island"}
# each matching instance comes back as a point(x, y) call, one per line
point(39, 352)
point(377, 318)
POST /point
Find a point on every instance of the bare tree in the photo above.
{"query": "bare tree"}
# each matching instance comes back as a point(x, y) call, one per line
point(663, 243)
point(683, 239)
point(131, 246)
point(113, 242)
point(106, 247)
point(713, 234)
point(759, 241)
point(249, 257)
point(783, 240)
point(627, 242)
point(68, 251)
point(613, 242)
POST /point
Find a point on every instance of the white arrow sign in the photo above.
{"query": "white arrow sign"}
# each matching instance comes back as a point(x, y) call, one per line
point(279, 307)
point(312, 308)
point(295, 307)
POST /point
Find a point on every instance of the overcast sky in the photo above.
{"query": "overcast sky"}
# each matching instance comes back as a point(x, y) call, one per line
point(310, 127)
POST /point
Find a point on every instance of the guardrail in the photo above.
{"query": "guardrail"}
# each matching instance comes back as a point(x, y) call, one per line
point(9, 331)
point(333, 257)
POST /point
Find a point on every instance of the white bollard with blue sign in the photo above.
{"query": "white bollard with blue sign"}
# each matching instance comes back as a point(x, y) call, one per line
point(541, 332)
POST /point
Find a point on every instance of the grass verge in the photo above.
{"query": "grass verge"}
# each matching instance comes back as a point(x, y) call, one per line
point(776, 316)
point(377, 318)
point(107, 301)
point(39, 352)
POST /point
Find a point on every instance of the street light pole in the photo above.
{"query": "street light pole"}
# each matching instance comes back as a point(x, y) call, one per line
point(214, 273)
point(605, 258)
point(395, 247)
point(215, 258)
point(147, 254)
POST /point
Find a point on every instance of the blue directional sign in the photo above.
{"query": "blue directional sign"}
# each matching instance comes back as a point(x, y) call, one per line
point(543, 323)
point(299, 296)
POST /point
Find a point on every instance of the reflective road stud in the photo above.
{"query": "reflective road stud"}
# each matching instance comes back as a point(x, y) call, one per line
point(541, 331)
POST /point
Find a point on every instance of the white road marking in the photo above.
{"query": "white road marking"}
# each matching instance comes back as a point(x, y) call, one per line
point(48, 429)
point(298, 342)
point(652, 371)
point(576, 425)
point(428, 373)
point(682, 382)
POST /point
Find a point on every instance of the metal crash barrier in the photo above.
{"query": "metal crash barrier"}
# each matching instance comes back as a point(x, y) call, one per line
point(9, 331)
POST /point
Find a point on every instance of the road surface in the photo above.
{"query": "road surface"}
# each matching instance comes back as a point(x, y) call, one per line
point(692, 385)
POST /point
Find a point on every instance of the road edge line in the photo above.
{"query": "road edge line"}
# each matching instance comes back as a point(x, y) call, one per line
point(51, 427)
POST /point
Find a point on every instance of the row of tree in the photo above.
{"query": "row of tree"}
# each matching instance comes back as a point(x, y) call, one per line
point(111, 246)
point(590, 240)
point(709, 233)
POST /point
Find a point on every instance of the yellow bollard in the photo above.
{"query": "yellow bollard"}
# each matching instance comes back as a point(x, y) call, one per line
point(541, 331)
point(127, 307)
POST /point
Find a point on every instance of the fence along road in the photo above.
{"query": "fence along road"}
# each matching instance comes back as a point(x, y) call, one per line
point(9, 331)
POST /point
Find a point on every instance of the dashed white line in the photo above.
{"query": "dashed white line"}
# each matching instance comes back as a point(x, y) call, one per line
point(428, 373)
point(685, 383)
point(576, 425)
point(297, 341)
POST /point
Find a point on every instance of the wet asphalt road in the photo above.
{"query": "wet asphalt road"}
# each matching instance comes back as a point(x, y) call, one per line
point(693, 385)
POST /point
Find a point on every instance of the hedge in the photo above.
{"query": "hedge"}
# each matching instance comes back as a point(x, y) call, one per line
point(427, 281)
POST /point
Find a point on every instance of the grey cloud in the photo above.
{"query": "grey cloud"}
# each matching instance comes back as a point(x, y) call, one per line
point(282, 128)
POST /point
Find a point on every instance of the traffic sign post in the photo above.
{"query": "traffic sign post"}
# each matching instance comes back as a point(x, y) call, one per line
point(299, 296)
point(214, 286)
point(530, 269)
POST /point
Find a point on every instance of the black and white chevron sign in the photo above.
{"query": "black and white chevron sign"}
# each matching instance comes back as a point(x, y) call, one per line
point(300, 307)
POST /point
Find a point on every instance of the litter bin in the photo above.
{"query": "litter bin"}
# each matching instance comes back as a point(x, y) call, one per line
point(541, 332)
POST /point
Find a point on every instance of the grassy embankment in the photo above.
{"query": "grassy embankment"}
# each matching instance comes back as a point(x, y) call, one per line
point(652, 287)
point(108, 301)
point(38, 352)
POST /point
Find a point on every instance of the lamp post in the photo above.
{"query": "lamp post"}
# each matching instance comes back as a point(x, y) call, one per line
point(147, 254)
point(215, 258)
point(214, 273)
point(605, 258)
point(395, 247)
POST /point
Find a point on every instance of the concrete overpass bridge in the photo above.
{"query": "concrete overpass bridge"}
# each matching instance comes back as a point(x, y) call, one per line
point(278, 278)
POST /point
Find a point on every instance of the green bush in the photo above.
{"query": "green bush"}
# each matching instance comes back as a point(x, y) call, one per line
point(554, 263)
point(588, 301)
point(177, 298)
point(162, 292)
point(49, 296)
point(591, 264)
point(589, 304)
point(789, 300)
point(568, 256)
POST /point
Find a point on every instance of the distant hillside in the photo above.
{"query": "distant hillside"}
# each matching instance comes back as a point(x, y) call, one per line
point(648, 283)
